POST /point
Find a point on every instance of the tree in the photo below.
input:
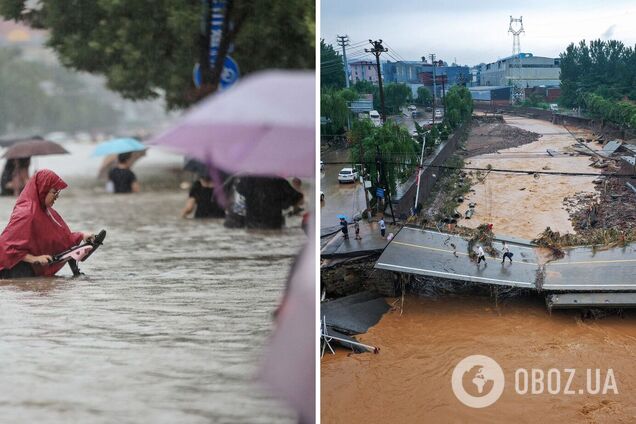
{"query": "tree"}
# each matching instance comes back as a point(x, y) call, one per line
point(397, 148)
point(147, 49)
point(459, 105)
point(331, 67)
point(606, 68)
point(333, 106)
point(396, 96)
point(424, 97)
point(26, 105)
point(365, 87)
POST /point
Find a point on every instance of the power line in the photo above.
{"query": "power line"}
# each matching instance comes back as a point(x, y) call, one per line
point(397, 53)
point(508, 171)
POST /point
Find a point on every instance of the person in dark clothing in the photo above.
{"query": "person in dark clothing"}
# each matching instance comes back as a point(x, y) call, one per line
point(7, 176)
point(121, 177)
point(345, 228)
point(265, 199)
point(15, 176)
point(201, 197)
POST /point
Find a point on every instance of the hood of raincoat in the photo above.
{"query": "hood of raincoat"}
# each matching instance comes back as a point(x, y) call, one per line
point(35, 229)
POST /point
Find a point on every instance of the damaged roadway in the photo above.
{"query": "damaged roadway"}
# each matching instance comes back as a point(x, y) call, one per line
point(425, 252)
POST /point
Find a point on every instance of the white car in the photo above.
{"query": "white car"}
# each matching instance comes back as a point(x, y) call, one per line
point(438, 113)
point(347, 175)
point(374, 116)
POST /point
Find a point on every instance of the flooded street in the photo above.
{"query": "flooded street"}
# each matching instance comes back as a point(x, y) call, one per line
point(410, 379)
point(166, 326)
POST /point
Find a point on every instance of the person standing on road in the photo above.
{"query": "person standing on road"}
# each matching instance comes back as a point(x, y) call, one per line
point(481, 256)
point(382, 227)
point(344, 228)
point(506, 253)
point(356, 226)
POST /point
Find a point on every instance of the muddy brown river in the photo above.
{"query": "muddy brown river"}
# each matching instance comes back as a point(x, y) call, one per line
point(409, 381)
point(167, 326)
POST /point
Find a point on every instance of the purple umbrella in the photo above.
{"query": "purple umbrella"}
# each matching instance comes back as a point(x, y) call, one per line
point(265, 125)
point(289, 364)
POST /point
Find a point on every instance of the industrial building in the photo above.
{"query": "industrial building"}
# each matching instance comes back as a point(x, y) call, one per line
point(420, 74)
point(527, 69)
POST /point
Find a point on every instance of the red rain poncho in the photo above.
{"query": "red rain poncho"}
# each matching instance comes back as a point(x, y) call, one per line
point(34, 228)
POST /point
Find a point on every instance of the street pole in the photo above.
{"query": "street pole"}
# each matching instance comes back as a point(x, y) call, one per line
point(366, 195)
point(343, 41)
point(378, 165)
point(419, 173)
point(443, 96)
point(376, 51)
point(432, 56)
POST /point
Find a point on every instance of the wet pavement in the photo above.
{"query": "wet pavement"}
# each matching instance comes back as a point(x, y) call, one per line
point(585, 268)
point(346, 199)
point(425, 252)
point(167, 325)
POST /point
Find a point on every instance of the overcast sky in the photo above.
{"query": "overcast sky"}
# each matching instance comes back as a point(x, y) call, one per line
point(473, 31)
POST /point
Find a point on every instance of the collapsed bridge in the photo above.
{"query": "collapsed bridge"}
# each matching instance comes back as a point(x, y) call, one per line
point(583, 277)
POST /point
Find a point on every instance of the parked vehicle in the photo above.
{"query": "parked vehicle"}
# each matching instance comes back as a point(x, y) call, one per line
point(374, 115)
point(347, 175)
point(412, 108)
point(554, 107)
point(438, 113)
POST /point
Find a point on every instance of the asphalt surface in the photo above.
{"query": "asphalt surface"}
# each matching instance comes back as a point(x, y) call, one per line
point(430, 253)
point(346, 199)
point(583, 269)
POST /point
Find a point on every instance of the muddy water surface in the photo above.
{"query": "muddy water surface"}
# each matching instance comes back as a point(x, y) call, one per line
point(523, 205)
point(167, 325)
point(409, 381)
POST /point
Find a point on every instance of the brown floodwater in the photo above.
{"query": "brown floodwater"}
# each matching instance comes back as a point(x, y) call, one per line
point(409, 381)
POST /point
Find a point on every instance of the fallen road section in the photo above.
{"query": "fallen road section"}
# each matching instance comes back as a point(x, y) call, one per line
point(435, 254)
point(582, 269)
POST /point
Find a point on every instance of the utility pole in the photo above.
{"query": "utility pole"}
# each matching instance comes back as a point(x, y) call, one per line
point(432, 56)
point(378, 49)
point(420, 169)
point(343, 41)
point(363, 170)
point(383, 183)
point(444, 94)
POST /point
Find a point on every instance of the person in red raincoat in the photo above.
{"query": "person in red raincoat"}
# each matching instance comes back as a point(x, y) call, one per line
point(36, 231)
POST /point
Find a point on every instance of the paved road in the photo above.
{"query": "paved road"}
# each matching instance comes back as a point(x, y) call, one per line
point(347, 199)
point(424, 252)
point(584, 269)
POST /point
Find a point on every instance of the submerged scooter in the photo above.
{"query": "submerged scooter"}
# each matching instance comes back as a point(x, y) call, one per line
point(79, 253)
